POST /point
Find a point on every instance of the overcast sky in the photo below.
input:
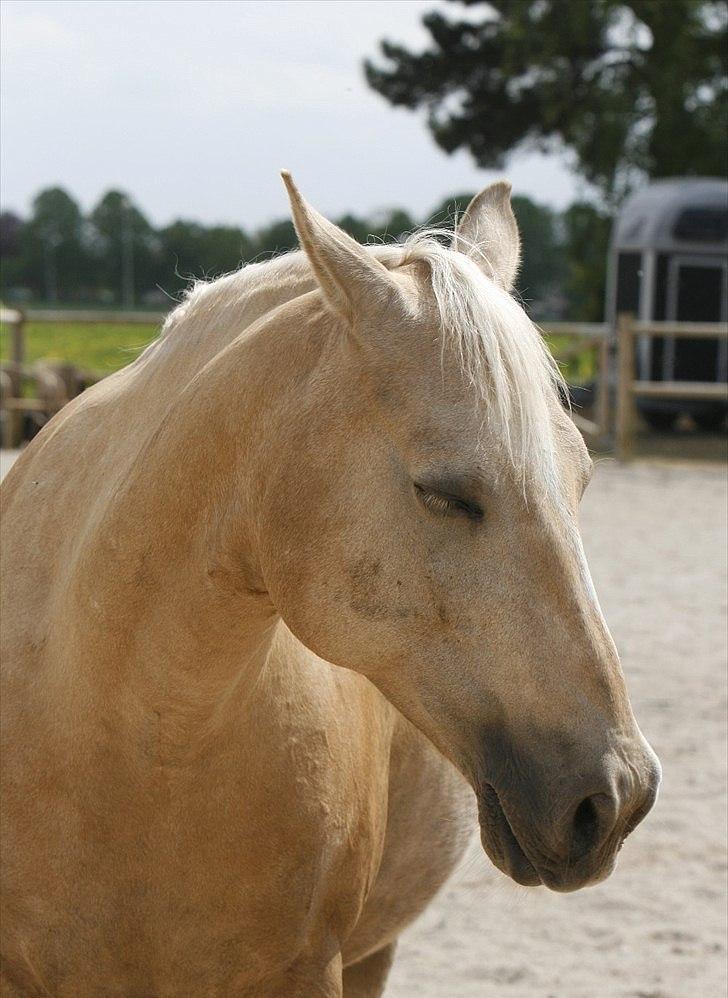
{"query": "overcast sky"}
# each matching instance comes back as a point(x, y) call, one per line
point(193, 108)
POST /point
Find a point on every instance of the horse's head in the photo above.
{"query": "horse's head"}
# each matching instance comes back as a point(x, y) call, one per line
point(421, 529)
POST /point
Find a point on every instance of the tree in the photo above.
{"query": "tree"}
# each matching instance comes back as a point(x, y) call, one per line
point(11, 244)
point(542, 262)
point(630, 87)
point(52, 257)
point(225, 248)
point(358, 228)
point(586, 241)
point(125, 247)
point(10, 229)
point(180, 253)
point(276, 238)
point(115, 250)
point(189, 251)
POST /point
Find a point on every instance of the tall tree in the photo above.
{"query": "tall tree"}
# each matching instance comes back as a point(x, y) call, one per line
point(12, 229)
point(585, 246)
point(125, 247)
point(275, 238)
point(225, 248)
point(542, 262)
point(11, 226)
point(180, 253)
point(188, 250)
point(630, 87)
point(52, 247)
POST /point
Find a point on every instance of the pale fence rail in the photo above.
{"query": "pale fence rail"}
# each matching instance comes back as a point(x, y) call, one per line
point(629, 388)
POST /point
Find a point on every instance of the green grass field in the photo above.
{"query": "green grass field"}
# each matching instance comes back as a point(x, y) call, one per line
point(97, 347)
point(105, 348)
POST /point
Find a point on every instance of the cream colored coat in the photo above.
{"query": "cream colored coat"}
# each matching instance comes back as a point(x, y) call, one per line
point(195, 802)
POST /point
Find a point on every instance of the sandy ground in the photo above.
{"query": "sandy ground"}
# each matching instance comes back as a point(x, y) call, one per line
point(655, 534)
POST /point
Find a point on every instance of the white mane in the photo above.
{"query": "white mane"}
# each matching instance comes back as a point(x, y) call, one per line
point(501, 353)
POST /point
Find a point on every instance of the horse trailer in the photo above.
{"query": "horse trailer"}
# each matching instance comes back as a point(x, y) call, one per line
point(668, 261)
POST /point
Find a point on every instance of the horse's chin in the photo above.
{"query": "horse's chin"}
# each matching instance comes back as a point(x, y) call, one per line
point(501, 844)
point(503, 848)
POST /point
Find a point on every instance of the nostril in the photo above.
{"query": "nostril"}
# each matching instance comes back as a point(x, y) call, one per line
point(585, 827)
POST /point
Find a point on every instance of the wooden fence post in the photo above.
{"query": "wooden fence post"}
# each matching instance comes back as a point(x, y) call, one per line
point(17, 349)
point(625, 382)
point(7, 391)
point(602, 408)
point(13, 430)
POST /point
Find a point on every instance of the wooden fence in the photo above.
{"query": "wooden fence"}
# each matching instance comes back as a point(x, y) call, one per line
point(56, 384)
point(629, 388)
point(594, 336)
point(53, 384)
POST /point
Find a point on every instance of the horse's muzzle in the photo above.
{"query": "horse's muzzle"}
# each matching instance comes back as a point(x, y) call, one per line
point(567, 842)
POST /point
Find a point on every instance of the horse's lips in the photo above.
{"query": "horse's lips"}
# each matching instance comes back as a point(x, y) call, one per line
point(506, 851)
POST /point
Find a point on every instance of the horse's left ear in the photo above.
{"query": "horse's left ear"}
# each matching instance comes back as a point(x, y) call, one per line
point(488, 233)
point(352, 280)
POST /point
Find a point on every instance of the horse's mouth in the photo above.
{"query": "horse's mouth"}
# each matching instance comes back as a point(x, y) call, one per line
point(500, 842)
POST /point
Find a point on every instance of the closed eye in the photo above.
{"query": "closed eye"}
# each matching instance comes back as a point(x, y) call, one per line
point(445, 504)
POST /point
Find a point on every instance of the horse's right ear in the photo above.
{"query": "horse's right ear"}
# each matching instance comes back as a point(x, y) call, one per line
point(488, 234)
point(352, 280)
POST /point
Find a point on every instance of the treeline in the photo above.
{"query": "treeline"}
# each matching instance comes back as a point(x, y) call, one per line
point(114, 257)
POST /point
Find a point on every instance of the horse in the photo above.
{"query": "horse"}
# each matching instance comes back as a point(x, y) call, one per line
point(292, 604)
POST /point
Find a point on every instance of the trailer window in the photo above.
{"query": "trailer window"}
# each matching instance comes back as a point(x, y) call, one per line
point(702, 225)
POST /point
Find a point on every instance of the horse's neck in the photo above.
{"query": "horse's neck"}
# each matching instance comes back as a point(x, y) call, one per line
point(174, 446)
point(188, 620)
point(172, 561)
point(185, 634)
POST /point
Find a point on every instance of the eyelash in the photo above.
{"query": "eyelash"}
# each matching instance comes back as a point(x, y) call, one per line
point(443, 505)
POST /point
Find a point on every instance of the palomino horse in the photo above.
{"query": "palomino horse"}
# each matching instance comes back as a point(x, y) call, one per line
point(343, 456)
